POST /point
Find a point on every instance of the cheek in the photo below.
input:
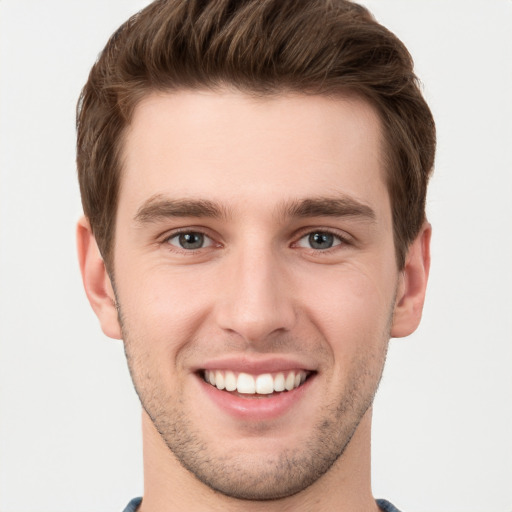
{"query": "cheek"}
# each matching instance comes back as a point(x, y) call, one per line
point(160, 315)
point(352, 308)
point(165, 308)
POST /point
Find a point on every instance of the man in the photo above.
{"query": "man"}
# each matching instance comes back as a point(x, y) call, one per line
point(253, 176)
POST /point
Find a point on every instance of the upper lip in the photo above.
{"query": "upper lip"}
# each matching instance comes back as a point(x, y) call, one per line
point(256, 365)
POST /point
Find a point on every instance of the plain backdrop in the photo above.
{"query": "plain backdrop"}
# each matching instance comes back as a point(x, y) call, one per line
point(70, 437)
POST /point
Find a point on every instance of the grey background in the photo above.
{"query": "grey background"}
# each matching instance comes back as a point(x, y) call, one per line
point(69, 420)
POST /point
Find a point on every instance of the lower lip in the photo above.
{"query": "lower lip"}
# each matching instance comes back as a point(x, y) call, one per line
point(254, 408)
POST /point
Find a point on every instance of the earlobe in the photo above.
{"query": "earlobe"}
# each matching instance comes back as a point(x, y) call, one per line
point(412, 286)
point(96, 280)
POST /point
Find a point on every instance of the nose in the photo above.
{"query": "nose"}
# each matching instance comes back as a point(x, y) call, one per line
point(255, 299)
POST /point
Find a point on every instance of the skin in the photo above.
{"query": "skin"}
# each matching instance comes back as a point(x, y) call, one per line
point(256, 290)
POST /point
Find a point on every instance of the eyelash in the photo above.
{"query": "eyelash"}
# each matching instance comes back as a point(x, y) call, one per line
point(188, 231)
point(342, 240)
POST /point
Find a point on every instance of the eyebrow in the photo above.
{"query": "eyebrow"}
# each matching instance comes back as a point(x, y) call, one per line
point(158, 208)
point(328, 207)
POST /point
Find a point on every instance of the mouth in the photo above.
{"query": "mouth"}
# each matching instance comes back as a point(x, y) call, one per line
point(263, 385)
point(256, 391)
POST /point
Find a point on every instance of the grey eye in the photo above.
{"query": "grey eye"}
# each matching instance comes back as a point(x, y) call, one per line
point(190, 240)
point(319, 240)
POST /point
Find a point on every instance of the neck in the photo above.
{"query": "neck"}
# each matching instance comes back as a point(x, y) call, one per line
point(168, 486)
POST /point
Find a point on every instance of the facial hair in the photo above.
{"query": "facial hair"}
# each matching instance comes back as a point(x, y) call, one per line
point(285, 473)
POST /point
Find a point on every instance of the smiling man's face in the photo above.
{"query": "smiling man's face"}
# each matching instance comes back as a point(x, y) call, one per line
point(256, 282)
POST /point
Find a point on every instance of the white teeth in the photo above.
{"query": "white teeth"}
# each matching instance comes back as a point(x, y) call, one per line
point(264, 384)
point(279, 382)
point(290, 381)
point(219, 380)
point(245, 384)
point(230, 381)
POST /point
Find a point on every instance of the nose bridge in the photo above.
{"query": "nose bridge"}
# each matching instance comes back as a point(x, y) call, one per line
point(256, 300)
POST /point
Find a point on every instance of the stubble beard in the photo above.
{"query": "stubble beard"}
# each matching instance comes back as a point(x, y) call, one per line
point(280, 476)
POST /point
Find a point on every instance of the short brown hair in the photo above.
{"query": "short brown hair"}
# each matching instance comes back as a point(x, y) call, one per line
point(262, 47)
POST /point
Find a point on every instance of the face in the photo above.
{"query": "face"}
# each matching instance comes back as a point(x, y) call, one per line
point(256, 280)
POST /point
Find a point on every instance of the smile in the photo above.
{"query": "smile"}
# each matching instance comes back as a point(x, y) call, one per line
point(263, 384)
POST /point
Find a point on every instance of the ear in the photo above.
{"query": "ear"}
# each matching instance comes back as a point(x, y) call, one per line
point(412, 285)
point(96, 280)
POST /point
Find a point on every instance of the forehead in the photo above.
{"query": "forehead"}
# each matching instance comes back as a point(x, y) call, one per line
point(234, 148)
